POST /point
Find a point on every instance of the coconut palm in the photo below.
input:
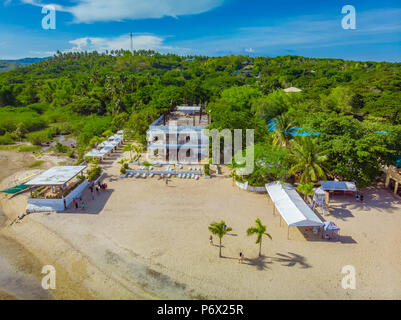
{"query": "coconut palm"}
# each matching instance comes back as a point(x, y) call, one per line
point(306, 189)
point(129, 148)
point(219, 229)
point(260, 230)
point(283, 130)
point(309, 160)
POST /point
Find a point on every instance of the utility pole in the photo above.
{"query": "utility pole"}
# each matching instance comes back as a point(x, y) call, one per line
point(132, 44)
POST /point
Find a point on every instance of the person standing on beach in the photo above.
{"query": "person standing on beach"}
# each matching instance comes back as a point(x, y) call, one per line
point(211, 240)
point(76, 204)
point(241, 257)
point(97, 190)
point(83, 205)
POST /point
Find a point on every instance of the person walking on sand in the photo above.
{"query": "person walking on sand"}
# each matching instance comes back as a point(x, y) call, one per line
point(241, 257)
point(76, 204)
point(97, 190)
point(211, 240)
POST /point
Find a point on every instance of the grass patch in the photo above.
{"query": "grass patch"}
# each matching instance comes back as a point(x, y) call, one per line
point(26, 148)
point(37, 163)
point(8, 148)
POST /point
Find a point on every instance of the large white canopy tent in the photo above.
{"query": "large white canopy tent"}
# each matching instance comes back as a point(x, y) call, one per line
point(290, 205)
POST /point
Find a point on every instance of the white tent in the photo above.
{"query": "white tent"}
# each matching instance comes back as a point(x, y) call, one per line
point(290, 205)
point(95, 154)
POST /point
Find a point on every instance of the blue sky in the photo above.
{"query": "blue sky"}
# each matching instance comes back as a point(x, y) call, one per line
point(204, 27)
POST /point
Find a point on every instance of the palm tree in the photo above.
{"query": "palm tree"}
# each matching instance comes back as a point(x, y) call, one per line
point(129, 148)
point(309, 160)
point(259, 229)
point(138, 150)
point(219, 229)
point(306, 189)
point(283, 130)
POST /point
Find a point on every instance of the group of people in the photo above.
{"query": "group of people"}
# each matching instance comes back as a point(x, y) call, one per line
point(79, 203)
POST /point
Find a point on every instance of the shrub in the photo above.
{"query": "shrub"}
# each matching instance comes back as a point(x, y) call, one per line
point(207, 169)
point(123, 170)
point(60, 148)
point(6, 139)
point(94, 173)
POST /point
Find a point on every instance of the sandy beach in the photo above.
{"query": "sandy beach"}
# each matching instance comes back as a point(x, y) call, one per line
point(143, 239)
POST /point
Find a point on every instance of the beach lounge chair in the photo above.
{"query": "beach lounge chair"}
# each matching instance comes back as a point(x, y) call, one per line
point(144, 175)
point(197, 178)
point(151, 175)
point(169, 175)
point(137, 175)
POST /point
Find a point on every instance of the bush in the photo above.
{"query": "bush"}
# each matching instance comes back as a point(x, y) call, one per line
point(125, 166)
point(6, 139)
point(42, 136)
point(123, 170)
point(60, 148)
point(207, 169)
point(94, 173)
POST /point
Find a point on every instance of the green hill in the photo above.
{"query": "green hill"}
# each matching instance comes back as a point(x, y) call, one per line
point(85, 94)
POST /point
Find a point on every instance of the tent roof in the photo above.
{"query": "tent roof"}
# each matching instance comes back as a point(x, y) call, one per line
point(95, 153)
point(338, 186)
point(292, 208)
point(320, 192)
point(56, 176)
point(328, 225)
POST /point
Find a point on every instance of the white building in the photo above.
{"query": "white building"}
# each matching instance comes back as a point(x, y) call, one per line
point(177, 137)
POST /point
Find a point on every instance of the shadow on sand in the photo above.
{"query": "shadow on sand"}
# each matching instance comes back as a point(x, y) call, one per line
point(291, 259)
point(91, 206)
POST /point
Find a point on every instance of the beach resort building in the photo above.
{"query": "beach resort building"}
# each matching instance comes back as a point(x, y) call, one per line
point(54, 189)
point(177, 136)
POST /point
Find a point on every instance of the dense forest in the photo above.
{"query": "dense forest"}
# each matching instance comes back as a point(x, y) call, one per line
point(351, 109)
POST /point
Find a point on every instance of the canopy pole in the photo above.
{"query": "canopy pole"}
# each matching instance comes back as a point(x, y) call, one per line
point(288, 233)
point(280, 220)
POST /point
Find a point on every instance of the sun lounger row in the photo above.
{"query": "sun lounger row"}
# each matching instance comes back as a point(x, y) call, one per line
point(188, 176)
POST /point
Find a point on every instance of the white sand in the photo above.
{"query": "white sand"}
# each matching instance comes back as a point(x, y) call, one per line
point(143, 239)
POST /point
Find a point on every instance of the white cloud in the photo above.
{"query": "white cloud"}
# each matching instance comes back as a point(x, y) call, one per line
point(89, 11)
point(147, 42)
point(250, 50)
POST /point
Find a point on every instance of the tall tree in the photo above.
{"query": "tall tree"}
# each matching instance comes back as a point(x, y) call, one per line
point(219, 229)
point(260, 230)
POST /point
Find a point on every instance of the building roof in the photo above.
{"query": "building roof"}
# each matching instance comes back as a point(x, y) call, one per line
point(290, 205)
point(338, 186)
point(188, 108)
point(292, 89)
point(56, 176)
